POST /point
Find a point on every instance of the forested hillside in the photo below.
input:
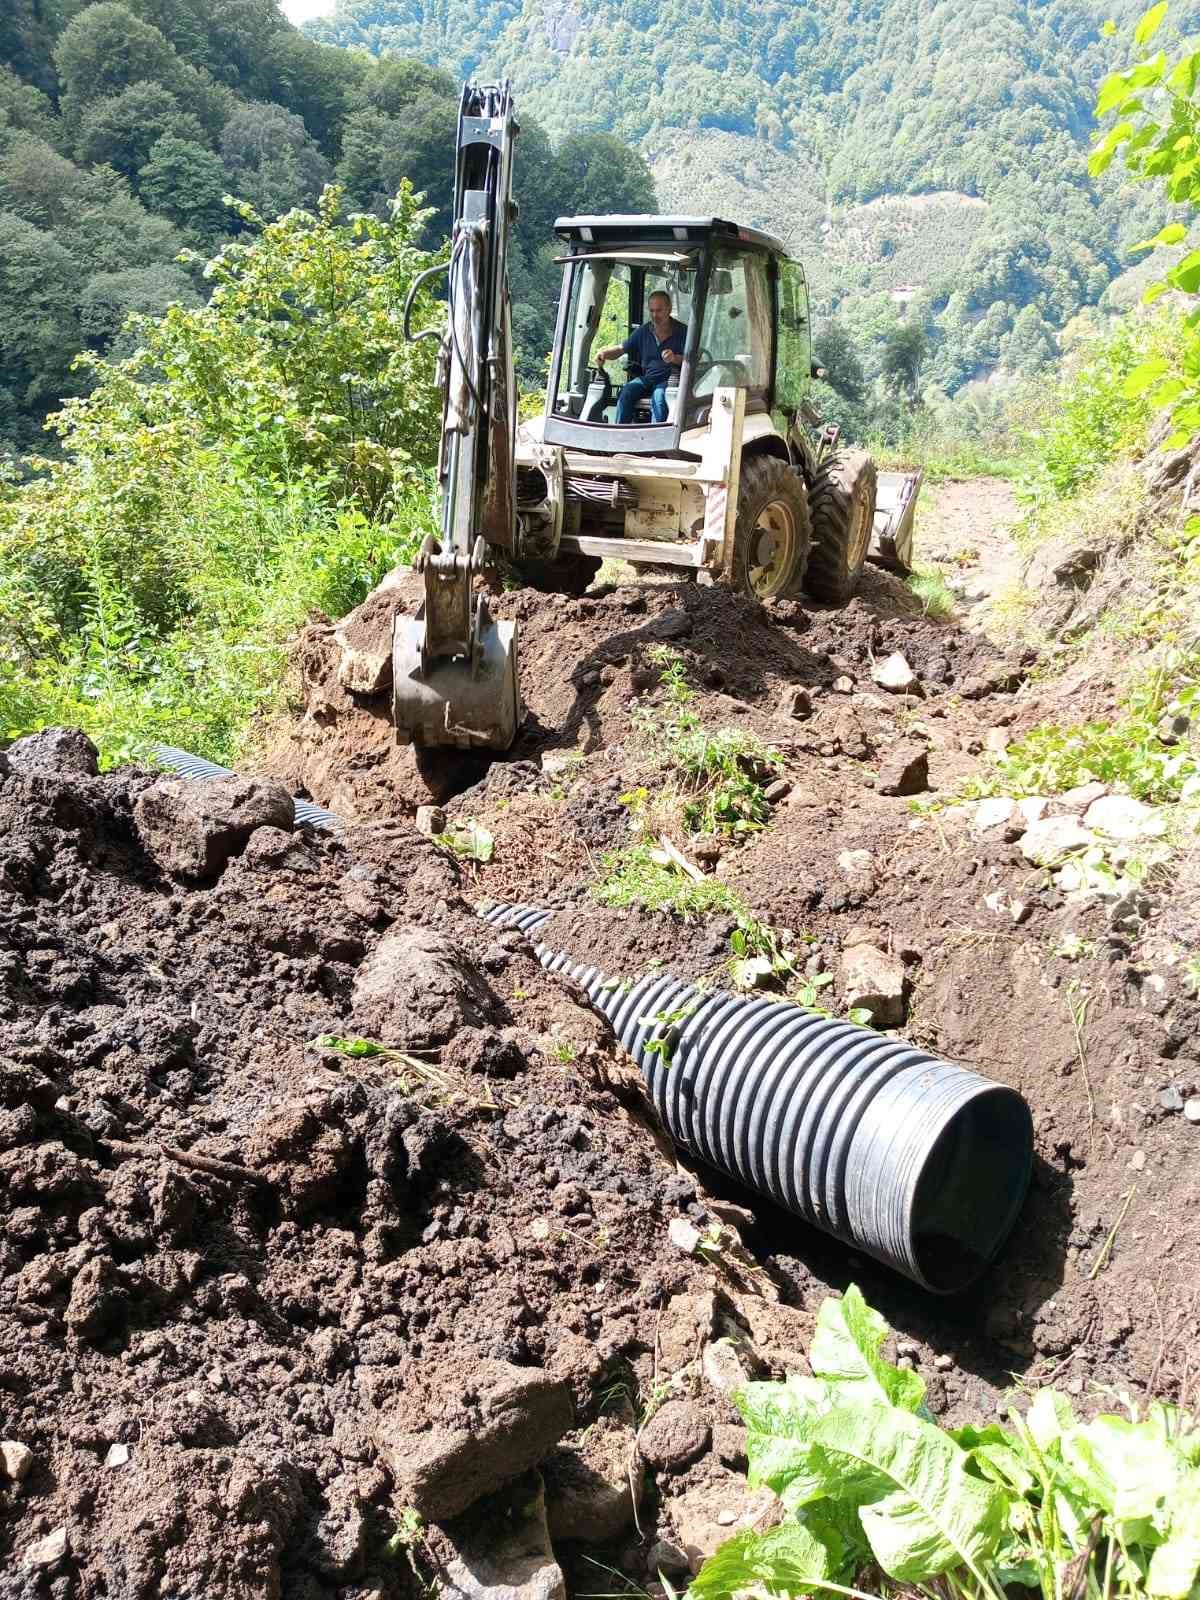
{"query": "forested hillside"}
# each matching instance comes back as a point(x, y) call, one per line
point(123, 127)
point(823, 120)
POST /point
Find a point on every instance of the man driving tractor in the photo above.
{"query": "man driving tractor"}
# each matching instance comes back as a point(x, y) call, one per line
point(657, 347)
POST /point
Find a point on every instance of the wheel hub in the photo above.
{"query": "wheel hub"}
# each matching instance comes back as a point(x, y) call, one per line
point(772, 548)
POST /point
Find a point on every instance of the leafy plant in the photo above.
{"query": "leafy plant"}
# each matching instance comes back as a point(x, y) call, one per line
point(935, 595)
point(1154, 109)
point(646, 876)
point(468, 839)
point(869, 1480)
point(666, 1032)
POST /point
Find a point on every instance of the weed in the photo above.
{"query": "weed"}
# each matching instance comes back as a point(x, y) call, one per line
point(1105, 1509)
point(408, 1540)
point(564, 1051)
point(666, 1034)
point(468, 839)
point(645, 876)
point(412, 1077)
point(1073, 948)
point(761, 954)
point(932, 590)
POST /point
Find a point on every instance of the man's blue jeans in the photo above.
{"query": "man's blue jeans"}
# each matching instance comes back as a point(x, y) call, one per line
point(639, 389)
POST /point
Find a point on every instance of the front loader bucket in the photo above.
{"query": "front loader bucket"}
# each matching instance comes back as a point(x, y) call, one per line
point(895, 506)
point(454, 701)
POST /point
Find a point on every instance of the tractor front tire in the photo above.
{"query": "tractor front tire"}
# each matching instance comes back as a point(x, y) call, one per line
point(568, 574)
point(842, 499)
point(772, 534)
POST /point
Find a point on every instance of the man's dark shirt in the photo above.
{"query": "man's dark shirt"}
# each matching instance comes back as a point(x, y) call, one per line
point(644, 349)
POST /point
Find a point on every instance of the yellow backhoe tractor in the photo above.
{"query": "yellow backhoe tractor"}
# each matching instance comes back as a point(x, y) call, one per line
point(740, 482)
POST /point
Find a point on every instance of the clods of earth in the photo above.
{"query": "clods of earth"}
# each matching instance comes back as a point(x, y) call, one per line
point(280, 1319)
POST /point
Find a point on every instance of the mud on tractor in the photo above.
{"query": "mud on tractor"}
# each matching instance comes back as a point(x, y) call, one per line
point(740, 481)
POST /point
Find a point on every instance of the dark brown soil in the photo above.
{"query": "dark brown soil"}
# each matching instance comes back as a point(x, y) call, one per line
point(246, 1259)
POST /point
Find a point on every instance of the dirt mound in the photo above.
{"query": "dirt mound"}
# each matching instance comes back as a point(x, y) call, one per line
point(260, 1299)
point(582, 662)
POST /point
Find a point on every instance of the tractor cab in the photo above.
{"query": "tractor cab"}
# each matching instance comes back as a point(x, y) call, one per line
point(743, 303)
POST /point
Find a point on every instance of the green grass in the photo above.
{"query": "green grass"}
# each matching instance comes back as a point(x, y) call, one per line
point(640, 875)
point(935, 595)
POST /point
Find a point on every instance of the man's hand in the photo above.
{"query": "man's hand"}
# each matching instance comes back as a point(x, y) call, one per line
point(672, 358)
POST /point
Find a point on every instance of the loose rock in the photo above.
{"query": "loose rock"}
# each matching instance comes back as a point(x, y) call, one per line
point(1170, 1099)
point(47, 1552)
point(905, 770)
point(996, 812)
point(676, 1434)
point(594, 1481)
point(1118, 816)
point(1049, 841)
point(502, 1551)
point(16, 1460)
point(64, 750)
point(418, 989)
point(430, 820)
point(894, 673)
point(1191, 1109)
point(795, 702)
point(521, 1414)
point(193, 827)
point(875, 981)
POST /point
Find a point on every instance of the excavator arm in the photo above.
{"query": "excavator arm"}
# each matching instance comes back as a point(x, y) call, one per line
point(455, 667)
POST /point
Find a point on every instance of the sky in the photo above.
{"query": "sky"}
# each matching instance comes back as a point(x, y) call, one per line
point(304, 10)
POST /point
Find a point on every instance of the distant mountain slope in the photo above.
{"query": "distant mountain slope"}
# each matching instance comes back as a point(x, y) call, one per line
point(797, 115)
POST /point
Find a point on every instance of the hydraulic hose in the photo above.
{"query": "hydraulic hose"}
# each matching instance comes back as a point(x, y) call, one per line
point(922, 1164)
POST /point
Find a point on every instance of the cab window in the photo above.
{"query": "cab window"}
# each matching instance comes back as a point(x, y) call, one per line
point(735, 337)
point(795, 338)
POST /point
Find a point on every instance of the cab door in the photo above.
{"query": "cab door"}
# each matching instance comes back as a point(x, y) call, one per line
point(793, 350)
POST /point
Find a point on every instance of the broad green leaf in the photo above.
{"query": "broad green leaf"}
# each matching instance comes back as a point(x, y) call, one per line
point(1112, 91)
point(1102, 155)
point(921, 1510)
point(1155, 292)
point(1167, 393)
point(1173, 233)
point(1175, 1565)
point(780, 1418)
point(998, 1454)
point(1185, 274)
point(1048, 1418)
point(1184, 75)
point(846, 1350)
point(784, 1560)
point(1145, 377)
point(1151, 22)
point(1127, 1467)
point(1149, 72)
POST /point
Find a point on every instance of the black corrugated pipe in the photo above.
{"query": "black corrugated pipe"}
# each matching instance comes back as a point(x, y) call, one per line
point(190, 766)
point(919, 1163)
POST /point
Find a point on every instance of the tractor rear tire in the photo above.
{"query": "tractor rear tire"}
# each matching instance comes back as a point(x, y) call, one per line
point(842, 498)
point(772, 534)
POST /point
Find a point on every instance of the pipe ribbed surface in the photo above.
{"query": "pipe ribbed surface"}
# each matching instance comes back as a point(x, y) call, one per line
point(190, 766)
point(922, 1164)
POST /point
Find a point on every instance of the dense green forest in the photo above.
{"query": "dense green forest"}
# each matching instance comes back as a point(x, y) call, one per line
point(925, 158)
point(124, 125)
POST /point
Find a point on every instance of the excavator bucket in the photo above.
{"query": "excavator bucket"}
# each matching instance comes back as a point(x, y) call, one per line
point(895, 506)
point(456, 700)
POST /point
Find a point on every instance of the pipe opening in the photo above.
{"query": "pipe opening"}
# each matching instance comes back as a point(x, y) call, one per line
point(971, 1188)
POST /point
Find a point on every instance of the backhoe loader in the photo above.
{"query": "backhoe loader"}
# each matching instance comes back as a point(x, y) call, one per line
point(740, 484)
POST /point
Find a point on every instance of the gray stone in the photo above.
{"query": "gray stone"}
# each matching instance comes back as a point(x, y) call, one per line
point(1050, 840)
point(777, 791)
point(501, 1550)
point(996, 812)
point(904, 770)
point(795, 702)
point(67, 751)
point(47, 1552)
point(1077, 800)
point(855, 863)
point(417, 988)
point(1127, 914)
point(192, 827)
point(1119, 816)
point(1191, 1109)
point(16, 1459)
point(118, 1455)
point(675, 1435)
point(430, 820)
point(725, 1367)
point(876, 981)
point(666, 1558)
point(1170, 1099)
point(894, 673)
point(842, 685)
point(520, 1414)
point(684, 1328)
point(710, 1513)
point(594, 1480)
